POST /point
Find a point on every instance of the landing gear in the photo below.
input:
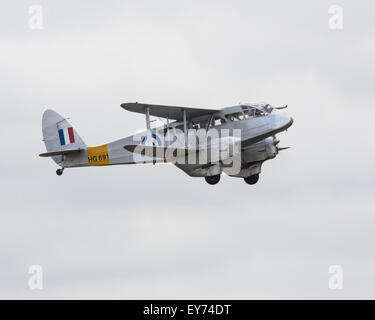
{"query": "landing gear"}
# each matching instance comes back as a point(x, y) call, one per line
point(212, 179)
point(252, 179)
point(59, 172)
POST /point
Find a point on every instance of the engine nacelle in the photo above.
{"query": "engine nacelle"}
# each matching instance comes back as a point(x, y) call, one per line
point(248, 171)
point(270, 147)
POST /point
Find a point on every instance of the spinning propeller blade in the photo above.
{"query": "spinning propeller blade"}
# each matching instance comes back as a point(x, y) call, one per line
point(284, 107)
point(283, 148)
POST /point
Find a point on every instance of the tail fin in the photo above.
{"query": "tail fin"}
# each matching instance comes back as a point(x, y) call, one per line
point(59, 136)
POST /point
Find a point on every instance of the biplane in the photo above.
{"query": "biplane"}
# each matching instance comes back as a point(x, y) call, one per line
point(244, 135)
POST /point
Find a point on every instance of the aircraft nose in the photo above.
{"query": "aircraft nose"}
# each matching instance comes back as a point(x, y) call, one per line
point(283, 121)
point(291, 121)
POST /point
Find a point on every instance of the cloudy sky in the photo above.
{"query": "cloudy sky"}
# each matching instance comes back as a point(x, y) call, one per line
point(152, 231)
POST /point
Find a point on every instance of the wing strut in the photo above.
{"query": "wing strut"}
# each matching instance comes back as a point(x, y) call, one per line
point(148, 126)
point(185, 127)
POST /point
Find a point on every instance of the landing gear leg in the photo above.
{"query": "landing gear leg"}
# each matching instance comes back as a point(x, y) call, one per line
point(252, 179)
point(59, 172)
point(213, 179)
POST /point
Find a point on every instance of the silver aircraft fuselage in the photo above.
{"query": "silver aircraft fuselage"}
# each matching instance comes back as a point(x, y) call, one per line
point(258, 125)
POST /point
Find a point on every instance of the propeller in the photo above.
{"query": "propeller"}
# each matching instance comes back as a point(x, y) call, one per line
point(273, 144)
point(283, 148)
point(277, 141)
point(284, 107)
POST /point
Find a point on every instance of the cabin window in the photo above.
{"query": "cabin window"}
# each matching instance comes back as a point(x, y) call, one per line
point(217, 121)
point(196, 126)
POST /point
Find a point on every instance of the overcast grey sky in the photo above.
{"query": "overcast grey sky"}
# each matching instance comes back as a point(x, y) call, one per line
point(154, 232)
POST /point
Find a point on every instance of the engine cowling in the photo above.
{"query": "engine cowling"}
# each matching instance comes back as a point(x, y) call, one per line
point(271, 146)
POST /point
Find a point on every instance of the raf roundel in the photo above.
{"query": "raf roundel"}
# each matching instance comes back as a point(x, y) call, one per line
point(155, 140)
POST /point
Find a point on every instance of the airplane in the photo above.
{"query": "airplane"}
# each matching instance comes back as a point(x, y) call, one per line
point(244, 134)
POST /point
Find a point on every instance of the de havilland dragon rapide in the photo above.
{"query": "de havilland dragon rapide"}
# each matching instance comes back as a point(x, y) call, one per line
point(244, 134)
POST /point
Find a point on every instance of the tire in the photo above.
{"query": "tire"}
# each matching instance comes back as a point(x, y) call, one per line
point(212, 179)
point(59, 172)
point(252, 179)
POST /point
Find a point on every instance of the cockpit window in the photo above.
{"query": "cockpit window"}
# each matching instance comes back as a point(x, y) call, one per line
point(259, 113)
point(237, 116)
point(258, 110)
point(249, 113)
point(268, 108)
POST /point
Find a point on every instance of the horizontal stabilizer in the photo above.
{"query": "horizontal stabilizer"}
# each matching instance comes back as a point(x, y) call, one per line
point(59, 153)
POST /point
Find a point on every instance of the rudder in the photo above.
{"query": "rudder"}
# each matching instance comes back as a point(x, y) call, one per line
point(59, 135)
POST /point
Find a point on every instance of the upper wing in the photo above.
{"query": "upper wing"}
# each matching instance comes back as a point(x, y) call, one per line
point(170, 112)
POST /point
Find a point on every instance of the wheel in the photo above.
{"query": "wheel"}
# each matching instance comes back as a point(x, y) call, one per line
point(213, 179)
point(59, 172)
point(252, 179)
